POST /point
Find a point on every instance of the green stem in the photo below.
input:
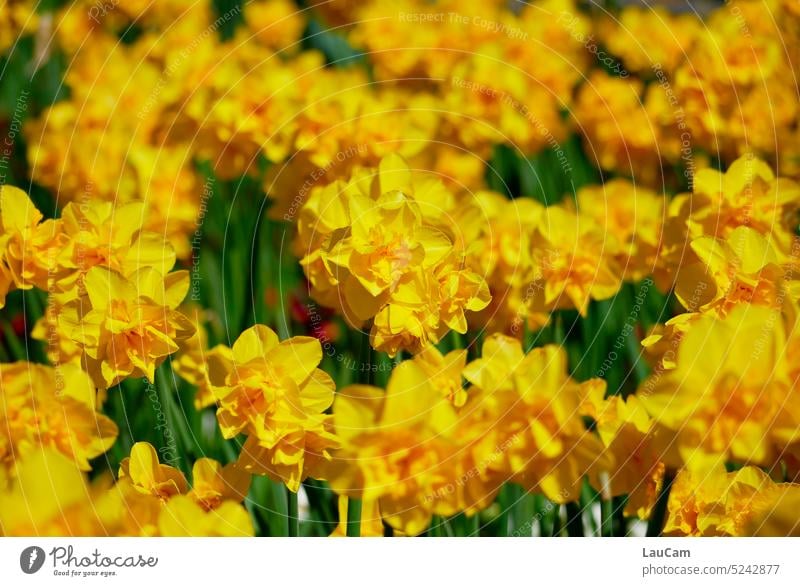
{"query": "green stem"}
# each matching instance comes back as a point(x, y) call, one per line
point(634, 348)
point(586, 501)
point(12, 342)
point(280, 505)
point(435, 529)
point(365, 377)
point(607, 517)
point(657, 516)
point(353, 517)
point(474, 526)
point(574, 520)
point(175, 416)
point(558, 329)
point(292, 516)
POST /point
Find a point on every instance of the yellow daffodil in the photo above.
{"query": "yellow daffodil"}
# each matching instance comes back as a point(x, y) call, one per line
point(50, 497)
point(548, 447)
point(375, 252)
point(747, 194)
point(727, 410)
point(445, 372)
point(648, 38)
point(631, 214)
point(780, 518)
point(182, 517)
point(29, 244)
point(212, 483)
point(744, 268)
point(712, 502)
point(629, 436)
point(111, 236)
point(617, 127)
point(395, 448)
point(151, 498)
point(52, 407)
point(128, 326)
point(573, 262)
point(273, 391)
point(150, 477)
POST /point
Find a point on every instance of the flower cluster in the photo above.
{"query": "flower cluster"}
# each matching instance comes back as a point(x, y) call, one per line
point(149, 499)
point(573, 236)
point(412, 452)
point(692, 88)
point(113, 300)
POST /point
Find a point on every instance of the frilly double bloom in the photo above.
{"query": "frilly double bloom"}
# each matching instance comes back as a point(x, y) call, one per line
point(503, 251)
point(55, 255)
point(547, 447)
point(742, 268)
point(29, 244)
point(100, 233)
point(747, 194)
point(273, 391)
point(631, 439)
point(633, 215)
point(375, 252)
point(127, 326)
point(731, 409)
point(713, 502)
point(574, 262)
point(617, 127)
point(55, 408)
point(398, 453)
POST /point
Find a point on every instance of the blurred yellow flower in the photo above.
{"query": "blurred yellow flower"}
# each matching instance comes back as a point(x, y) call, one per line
point(395, 448)
point(547, 446)
point(50, 497)
point(730, 409)
point(212, 483)
point(630, 438)
point(712, 502)
point(52, 407)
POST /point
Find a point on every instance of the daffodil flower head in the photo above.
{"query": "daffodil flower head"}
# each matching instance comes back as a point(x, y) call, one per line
point(127, 326)
point(397, 448)
point(52, 407)
point(380, 254)
point(273, 391)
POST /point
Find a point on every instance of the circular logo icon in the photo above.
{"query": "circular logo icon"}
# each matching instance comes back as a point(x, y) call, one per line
point(31, 559)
